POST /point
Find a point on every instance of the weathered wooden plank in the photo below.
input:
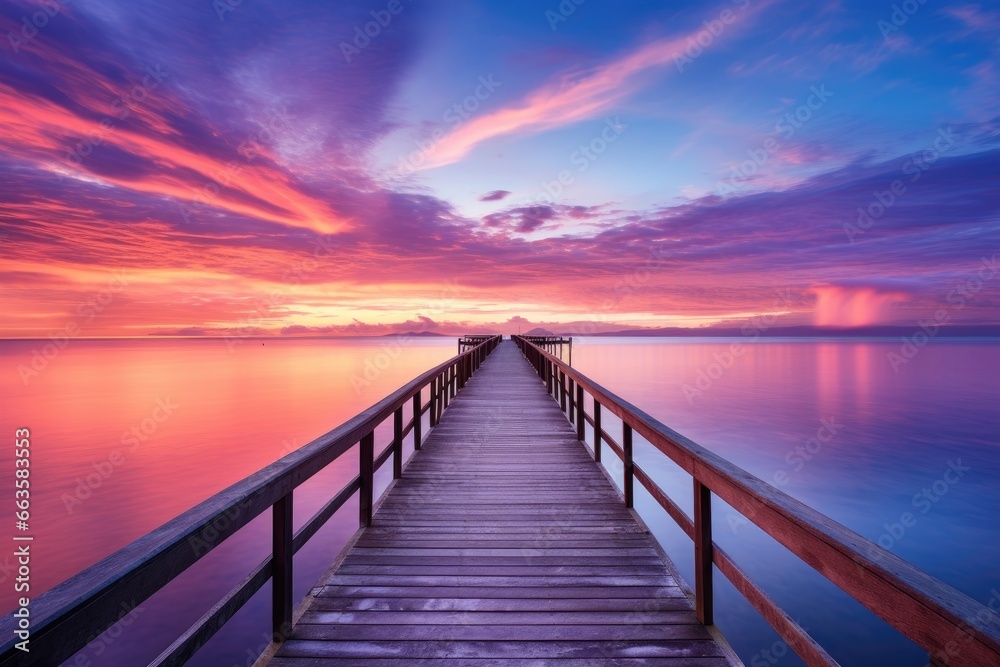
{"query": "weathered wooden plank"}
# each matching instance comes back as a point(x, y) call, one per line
point(508, 592)
point(489, 618)
point(620, 606)
point(497, 570)
point(536, 550)
point(592, 649)
point(453, 580)
point(684, 628)
point(503, 662)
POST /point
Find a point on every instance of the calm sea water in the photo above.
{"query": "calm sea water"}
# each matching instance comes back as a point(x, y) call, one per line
point(128, 434)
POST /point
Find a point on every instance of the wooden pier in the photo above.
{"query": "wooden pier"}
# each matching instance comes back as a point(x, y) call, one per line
point(501, 541)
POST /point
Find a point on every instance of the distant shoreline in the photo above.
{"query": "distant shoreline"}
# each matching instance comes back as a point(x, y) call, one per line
point(804, 332)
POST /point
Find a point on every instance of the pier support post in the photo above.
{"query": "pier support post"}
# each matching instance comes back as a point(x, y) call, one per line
point(281, 568)
point(629, 465)
point(703, 553)
point(572, 401)
point(367, 473)
point(562, 391)
point(432, 390)
point(417, 420)
point(397, 443)
point(597, 431)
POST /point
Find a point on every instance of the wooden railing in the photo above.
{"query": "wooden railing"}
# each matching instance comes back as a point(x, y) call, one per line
point(67, 617)
point(952, 627)
point(553, 344)
point(469, 341)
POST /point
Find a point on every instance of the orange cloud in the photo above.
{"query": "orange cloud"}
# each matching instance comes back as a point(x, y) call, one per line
point(45, 129)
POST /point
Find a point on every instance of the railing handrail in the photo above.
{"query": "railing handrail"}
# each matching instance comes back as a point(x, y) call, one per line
point(65, 618)
point(931, 613)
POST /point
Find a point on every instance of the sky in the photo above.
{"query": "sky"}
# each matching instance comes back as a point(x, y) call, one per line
point(205, 167)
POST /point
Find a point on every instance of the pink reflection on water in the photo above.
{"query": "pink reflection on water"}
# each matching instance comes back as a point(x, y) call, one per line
point(128, 434)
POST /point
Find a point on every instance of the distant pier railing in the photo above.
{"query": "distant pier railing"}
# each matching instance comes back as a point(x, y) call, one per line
point(553, 345)
point(67, 617)
point(469, 341)
point(953, 628)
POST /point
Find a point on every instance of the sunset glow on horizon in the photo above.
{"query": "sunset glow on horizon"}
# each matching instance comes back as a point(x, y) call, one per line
point(312, 168)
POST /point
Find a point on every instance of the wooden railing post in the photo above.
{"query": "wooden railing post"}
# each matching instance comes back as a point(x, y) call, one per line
point(432, 397)
point(417, 419)
point(443, 403)
point(397, 443)
point(629, 466)
point(580, 414)
point(548, 376)
point(703, 553)
point(562, 390)
point(597, 431)
point(572, 400)
point(281, 567)
point(367, 473)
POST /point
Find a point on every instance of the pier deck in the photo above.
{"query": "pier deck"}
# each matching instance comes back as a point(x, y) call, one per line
point(503, 544)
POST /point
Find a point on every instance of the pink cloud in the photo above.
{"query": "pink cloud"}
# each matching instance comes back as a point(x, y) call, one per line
point(574, 96)
point(974, 18)
point(853, 306)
